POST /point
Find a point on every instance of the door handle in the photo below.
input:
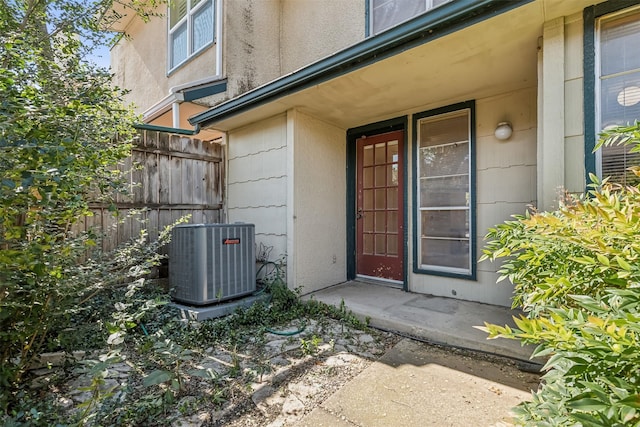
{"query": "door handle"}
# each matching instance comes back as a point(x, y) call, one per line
point(360, 214)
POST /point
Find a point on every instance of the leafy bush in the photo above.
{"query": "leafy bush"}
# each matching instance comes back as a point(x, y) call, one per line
point(583, 248)
point(575, 273)
point(63, 132)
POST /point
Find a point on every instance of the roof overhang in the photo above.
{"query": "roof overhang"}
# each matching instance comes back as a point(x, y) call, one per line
point(426, 28)
point(187, 92)
point(118, 17)
point(164, 121)
point(463, 49)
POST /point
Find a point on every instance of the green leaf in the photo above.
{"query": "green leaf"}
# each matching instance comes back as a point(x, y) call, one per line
point(157, 377)
point(627, 414)
point(587, 302)
point(587, 405)
point(622, 263)
point(542, 350)
point(588, 420)
point(603, 259)
point(632, 401)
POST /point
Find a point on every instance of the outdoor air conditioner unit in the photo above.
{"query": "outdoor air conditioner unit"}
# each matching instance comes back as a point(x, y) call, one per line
point(209, 263)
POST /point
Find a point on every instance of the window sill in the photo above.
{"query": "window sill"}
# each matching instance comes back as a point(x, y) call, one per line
point(454, 273)
point(193, 56)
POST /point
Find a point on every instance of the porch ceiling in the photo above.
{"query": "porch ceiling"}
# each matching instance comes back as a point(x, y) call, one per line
point(494, 56)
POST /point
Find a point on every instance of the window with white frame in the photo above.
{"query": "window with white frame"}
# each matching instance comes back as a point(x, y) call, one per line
point(618, 89)
point(385, 14)
point(444, 194)
point(191, 28)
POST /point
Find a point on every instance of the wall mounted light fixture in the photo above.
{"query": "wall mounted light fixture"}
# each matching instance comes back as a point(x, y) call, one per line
point(503, 131)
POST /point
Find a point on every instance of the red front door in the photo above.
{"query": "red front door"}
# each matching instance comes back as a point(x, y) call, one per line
point(380, 237)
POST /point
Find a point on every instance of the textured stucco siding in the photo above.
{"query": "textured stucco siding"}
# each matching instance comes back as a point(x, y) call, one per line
point(261, 41)
point(269, 38)
point(139, 62)
point(257, 181)
point(319, 195)
point(313, 29)
point(251, 43)
point(286, 176)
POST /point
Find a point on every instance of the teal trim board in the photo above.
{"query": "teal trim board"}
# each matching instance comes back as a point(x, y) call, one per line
point(367, 18)
point(205, 90)
point(145, 126)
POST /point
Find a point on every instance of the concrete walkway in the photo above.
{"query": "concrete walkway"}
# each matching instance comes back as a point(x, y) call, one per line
point(415, 384)
point(433, 319)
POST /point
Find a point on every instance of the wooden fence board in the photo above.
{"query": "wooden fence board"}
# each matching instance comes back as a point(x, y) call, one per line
point(164, 179)
point(153, 179)
point(176, 176)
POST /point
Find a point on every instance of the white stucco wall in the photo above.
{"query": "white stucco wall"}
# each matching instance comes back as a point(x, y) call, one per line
point(251, 52)
point(505, 185)
point(257, 181)
point(313, 29)
point(130, 62)
point(269, 38)
point(318, 243)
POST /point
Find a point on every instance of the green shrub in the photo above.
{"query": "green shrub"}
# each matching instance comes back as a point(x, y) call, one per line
point(576, 276)
point(585, 247)
point(63, 132)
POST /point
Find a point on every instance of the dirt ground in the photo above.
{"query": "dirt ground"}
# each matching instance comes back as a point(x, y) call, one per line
point(328, 370)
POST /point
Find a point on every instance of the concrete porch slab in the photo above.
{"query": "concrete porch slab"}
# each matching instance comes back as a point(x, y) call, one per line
point(415, 384)
point(433, 319)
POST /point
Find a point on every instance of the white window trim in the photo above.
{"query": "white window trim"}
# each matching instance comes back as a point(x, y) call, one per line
point(598, 79)
point(217, 11)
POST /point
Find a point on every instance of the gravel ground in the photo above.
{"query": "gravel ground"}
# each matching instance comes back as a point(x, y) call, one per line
point(273, 381)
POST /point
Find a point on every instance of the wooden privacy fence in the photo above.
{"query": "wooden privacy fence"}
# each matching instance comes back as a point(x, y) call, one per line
point(172, 176)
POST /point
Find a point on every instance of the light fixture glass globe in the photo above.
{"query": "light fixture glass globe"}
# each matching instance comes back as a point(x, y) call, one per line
point(503, 131)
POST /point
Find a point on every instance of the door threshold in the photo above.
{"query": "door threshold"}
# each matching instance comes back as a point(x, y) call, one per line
point(380, 281)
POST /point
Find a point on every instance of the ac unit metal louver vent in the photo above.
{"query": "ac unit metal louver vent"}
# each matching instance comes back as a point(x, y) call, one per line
point(209, 263)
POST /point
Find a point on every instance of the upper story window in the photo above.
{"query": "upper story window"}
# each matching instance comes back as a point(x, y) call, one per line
point(385, 14)
point(191, 28)
point(617, 88)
